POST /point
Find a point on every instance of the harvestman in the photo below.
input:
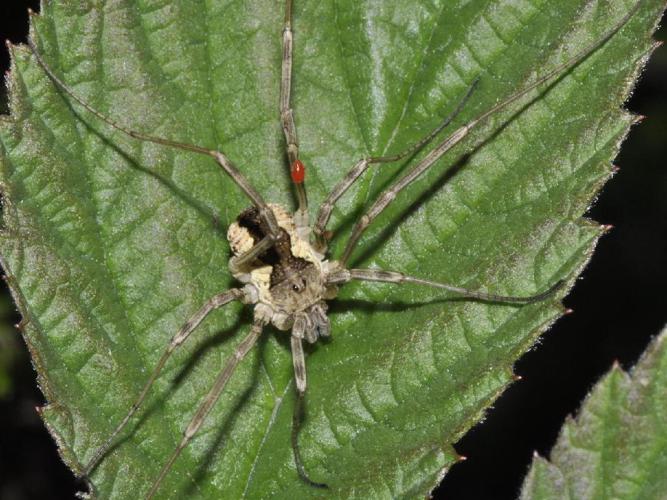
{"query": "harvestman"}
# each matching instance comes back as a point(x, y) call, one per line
point(281, 259)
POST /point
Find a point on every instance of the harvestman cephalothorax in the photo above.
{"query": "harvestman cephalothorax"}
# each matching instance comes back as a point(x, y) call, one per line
point(281, 259)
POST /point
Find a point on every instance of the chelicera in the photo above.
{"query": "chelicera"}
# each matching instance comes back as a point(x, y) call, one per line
point(281, 260)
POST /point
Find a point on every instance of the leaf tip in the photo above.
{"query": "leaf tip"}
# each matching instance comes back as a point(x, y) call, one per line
point(638, 119)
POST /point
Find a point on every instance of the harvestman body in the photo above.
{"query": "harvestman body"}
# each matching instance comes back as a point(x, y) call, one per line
point(281, 260)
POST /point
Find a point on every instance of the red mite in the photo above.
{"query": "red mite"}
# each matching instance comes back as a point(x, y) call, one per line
point(298, 172)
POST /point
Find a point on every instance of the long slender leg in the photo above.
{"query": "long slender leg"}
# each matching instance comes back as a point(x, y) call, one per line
point(324, 212)
point(236, 264)
point(228, 167)
point(390, 194)
point(299, 362)
point(211, 398)
point(178, 339)
point(287, 117)
point(347, 275)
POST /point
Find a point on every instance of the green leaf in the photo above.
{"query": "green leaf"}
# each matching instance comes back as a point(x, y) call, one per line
point(617, 445)
point(110, 244)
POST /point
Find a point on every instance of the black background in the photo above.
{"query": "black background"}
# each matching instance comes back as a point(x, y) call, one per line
point(619, 304)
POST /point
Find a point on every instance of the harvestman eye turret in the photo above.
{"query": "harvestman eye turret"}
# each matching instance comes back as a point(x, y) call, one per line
point(281, 261)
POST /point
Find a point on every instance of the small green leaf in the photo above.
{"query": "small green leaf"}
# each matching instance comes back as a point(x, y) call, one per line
point(110, 244)
point(617, 445)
